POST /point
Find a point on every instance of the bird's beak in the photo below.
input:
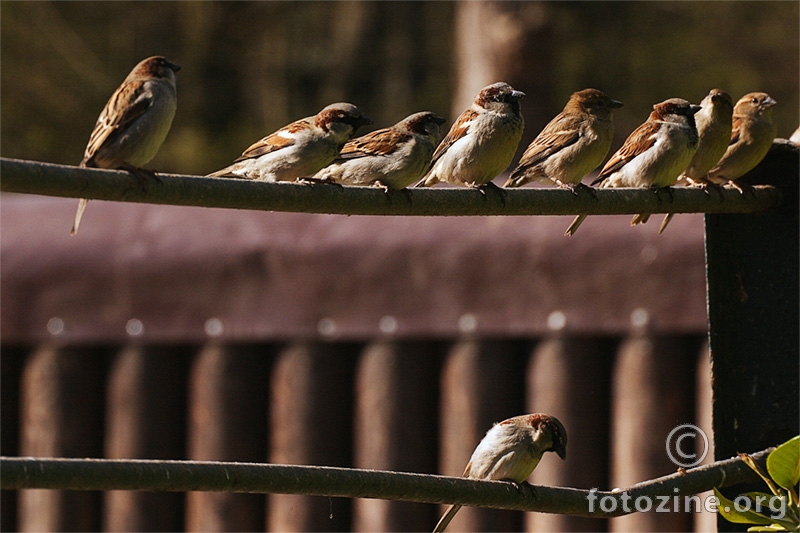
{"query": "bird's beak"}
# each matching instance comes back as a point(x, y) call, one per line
point(770, 101)
point(694, 108)
point(615, 104)
point(517, 94)
point(174, 67)
point(562, 452)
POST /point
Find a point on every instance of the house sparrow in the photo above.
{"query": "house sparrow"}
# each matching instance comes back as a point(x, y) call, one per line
point(714, 134)
point(511, 450)
point(482, 142)
point(751, 139)
point(573, 144)
point(300, 149)
point(393, 158)
point(134, 122)
point(654, 155)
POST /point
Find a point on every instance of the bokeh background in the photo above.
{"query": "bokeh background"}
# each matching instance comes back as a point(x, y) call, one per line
point(371, 342)
point(251, 67)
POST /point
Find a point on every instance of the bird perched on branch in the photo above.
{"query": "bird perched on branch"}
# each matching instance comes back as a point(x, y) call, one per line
point(134, 122)
point(481, 143)
point(654, 155)
point(751, 139)
point(714, 123)
point(511, 450)
point(573, 144)
point(392, 158)
point(300, 149)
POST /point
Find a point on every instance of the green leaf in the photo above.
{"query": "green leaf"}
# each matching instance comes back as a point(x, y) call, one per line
point(749, 461)
point(728, 511)
point(783, 464)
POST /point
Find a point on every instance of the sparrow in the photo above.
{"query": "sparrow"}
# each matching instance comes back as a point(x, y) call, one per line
point(392, 158)
point(751, 139)
point(654, 155)
point(573, 144)
point(511, 450)
point(481, 142)
point(300, 149)
point(714, 134)
point(134, 122)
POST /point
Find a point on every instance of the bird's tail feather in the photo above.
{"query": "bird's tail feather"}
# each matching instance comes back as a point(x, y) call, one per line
point(575, 225)
point(446, 518)
point(78, 215)
point(667, 218)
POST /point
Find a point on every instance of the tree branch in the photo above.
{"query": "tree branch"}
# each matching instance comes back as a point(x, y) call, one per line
point(109, 474)
point(32, 177)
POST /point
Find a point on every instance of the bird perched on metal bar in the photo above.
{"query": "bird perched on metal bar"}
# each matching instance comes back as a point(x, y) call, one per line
point(300, 149)
point(573, 144)
point(714, 123)
point(392, 158)
point(751, 139)
point(511, 450)
point(481, 143)
point(654, 155)
point(134, 122)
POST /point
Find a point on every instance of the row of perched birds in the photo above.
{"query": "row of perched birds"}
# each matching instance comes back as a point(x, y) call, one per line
point(704, 145)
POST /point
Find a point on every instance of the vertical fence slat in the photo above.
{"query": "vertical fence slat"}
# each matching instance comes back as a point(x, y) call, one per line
point(482, 383)
point(11, 362)
point(569, 378)
point(704, 521)
point(228, 422)
point(311, 424)
point(395, 420)
point(146, 419)
point(653, 392)
point(752, 272)
point(62, 416)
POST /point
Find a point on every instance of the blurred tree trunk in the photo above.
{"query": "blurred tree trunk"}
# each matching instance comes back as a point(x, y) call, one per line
point(505, 41)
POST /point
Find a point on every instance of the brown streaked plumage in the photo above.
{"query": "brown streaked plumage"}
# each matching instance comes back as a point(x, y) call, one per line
point(511, 450)
point(134, 122)
point(481, 142)
point(654, 154)
point(751, 139)
point(393, 157)
point(300, 149)
point(573, 144)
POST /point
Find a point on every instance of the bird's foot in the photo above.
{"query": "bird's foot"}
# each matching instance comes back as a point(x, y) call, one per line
point(317, 181)
point(490, 186)
point(665, 190)
point(142, 175)
point(576, 189)
point(743, 188)
point(524, 488)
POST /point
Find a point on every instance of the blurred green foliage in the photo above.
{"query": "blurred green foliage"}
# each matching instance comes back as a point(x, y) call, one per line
point(251, 67)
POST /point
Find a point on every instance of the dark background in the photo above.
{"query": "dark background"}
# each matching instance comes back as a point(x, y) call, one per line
point(251, 67)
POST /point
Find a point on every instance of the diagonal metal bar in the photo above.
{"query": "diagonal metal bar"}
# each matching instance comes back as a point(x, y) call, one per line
point(31, 177)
